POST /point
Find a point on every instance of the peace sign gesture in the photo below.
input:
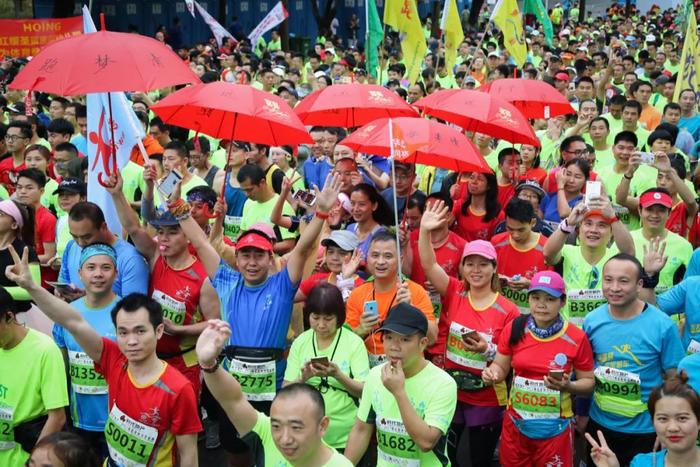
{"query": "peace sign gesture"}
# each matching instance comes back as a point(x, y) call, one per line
point(601, 454)
point(19, 272)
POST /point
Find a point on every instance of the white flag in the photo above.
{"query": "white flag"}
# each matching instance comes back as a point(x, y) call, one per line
point(218, 30)
point(190, 6)
point(272, 19)
point(127, 133)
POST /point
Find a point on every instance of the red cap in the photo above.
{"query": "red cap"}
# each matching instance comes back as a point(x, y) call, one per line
point(561, 76)
point(655, 197)
point(253, 240)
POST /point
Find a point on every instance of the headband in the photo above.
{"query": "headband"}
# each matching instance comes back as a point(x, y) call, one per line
point(96, 250)
point(10, 208)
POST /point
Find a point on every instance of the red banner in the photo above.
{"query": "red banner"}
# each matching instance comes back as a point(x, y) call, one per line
point(25, 37)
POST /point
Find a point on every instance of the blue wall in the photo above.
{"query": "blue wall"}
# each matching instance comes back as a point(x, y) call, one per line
point(147, 15)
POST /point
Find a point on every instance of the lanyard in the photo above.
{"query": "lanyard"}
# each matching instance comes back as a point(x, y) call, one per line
point(324, 379)
point(392, 299)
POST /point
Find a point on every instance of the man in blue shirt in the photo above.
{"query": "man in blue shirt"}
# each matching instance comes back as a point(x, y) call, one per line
point(87, 225)
point(690, 120)
point(319, 164)
point(258, 306)
point(88, 389)
point(634, 343)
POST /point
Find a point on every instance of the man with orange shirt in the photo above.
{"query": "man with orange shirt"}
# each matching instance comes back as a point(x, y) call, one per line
point(151, 144)
point(519, 252)
point(650, 116)
point(369, 303)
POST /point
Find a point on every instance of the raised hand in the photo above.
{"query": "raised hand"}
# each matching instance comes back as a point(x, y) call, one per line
point(576, 214)
point(351, 263)
point(19, 271)
point(114, 183)
point(211, 341)
point(435, 216)
point(662, 162)
point(654, 257)
point(403, 294)
point(329, 195)
point(601, 454)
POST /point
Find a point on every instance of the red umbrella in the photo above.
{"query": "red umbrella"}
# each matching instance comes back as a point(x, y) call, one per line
point(479, 112)
point(351, 105)
point(103, 61)
point(535, 99)
point(418, 141)
point(234, 112)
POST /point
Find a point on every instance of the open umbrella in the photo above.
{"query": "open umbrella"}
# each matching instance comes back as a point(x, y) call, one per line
point(481, 112)
point(351, 105)
point(535, 99)
point(417, 141)
point(234, 112)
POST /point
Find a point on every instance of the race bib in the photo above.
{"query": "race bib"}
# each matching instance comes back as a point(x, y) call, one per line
point(437, 305)
point(693, 347)
point(622, 213)
point(618, 391)
point(258, 380)
point(130, 442)
point(376, 360)
point(232, 226)
point(519, 297)
point(458, 354)
point(581, 302)
point(173, 309)
point(7, 434)
point(83, 377)
point(531, 399)
point(395, 445)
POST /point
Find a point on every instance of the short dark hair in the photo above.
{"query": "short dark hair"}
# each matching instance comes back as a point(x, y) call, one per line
point(7, 303)
point(638, 84)
point(70, 449)
point(180, 148)
point(310, 391)
point(584, 79)
point(628, 136)
point(135, 301)
point(671, 106)
point(204, 144)
point(505, 152)
point(61, 126)
point(600, 119)
point(67, 147)
point(618, 99)
point(157, 122)
point(87, 210)
point(251, 172)
point(61, 100)
point(568, 141)
point(35, 175)
point(382, 236)
point(520, 210)
point(417, 200)
point(632, 103)
point(25, 128)
point(325, 299)
point(632, 259)
point(442, 196)
point(659, 134)
point(80, 111)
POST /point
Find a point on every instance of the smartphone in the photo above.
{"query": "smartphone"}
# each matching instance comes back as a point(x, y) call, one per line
point(647, 157)
point(556, 374)
point(470, 335)
point(305, 197)
point(321, 361)
point(168, 186)
point(593, 190)
point(61, 286)
point(371, 308)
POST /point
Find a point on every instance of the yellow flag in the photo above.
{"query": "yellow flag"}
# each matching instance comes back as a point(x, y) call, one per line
point(402, 15)
point(452, 27)
point(690, 61)
point(506, 16)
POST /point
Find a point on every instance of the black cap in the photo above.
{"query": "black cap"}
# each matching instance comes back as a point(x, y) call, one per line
point(405, 319)
point(243, 145)
point(71, 185)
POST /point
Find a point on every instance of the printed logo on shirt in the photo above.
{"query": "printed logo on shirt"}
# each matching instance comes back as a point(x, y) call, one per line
point(3, 391)
point(555, 461)
point(152, 417)
point(184, 294)
point(626, 349)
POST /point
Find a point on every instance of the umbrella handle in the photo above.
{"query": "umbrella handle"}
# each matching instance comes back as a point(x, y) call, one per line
point(100, 180)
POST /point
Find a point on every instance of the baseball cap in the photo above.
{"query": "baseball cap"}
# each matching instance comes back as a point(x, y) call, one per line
point(561, 76)
point(405, 319)
point(223, 56)
point(532, 185)
point(254, 240)
point(661, 80)
point(548, 281)
point(655, 197)
point(242, 145)
point(480, 248)
point(163, 219)
point(493, 54)
point(71, 185)
point(17, 108)
point(265, 228)
point(343, 239)
point(288, 89)
point(319, 73)
point(650, 38)
point(279, 71)
point(598, 213)
point(469, 80)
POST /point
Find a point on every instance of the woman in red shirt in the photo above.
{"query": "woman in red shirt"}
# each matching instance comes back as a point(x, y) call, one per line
point(480, 212)
point(529, 165)
point(474, 314)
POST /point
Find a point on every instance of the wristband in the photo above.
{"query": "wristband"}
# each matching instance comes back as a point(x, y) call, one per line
point(210, 369)
point(322, 215)
point(650, 282)
point(628, 178)
point(565, 227)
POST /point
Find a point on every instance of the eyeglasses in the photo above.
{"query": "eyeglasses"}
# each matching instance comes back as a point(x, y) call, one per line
point(579, 152)
point(13, 137)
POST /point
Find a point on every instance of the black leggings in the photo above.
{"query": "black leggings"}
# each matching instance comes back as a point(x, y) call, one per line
point(483, 438)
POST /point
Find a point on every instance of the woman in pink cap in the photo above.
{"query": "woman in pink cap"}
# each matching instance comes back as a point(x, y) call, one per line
point(544, 351)
point(474, 314)
point(17, 229)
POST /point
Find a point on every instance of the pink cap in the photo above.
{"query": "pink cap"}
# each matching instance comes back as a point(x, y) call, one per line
point(265, 228)
point(480, 248)
point(548, 281)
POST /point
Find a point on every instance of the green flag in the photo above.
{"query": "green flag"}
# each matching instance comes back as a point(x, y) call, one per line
point(536, 8)
point(374, 37)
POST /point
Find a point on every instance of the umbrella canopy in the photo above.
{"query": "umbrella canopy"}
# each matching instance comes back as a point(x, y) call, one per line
point(419, 141)
point(479, 112)
point(535, 99)
point(103, 61)
point(351, 105)
point(233, 112)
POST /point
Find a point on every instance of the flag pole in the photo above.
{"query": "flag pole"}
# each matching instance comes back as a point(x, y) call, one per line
point(396, 209)
point(478, 47)
point(381, 59)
